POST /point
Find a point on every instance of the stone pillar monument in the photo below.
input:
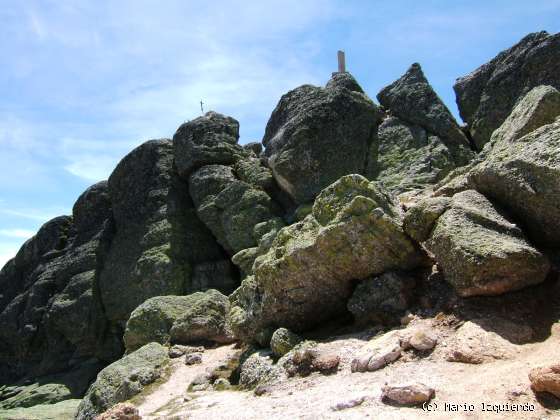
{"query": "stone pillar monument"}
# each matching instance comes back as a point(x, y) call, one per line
point(341, 61)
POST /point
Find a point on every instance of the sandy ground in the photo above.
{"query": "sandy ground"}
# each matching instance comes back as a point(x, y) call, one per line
point(313, 397)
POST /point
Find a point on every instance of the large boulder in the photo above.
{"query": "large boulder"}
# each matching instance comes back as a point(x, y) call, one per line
point(407, 157)
point(123, 380)
point(178, 320)
point(209, 139)
point(419, 142)
point(229, 206)
point(487, 96)
point(305, 278)
point(524, 176)
point(479, 249)
point(50, 312)
point(520, 167)
point(540, 106)
point(158, 235)
point(412, 99)
point(316, 135)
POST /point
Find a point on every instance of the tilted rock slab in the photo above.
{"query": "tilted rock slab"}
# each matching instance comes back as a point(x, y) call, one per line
point(198, 317)
point(355, 230)
point(315, 135)
point(487, 96)
point(520, 168)
point(123, 380)
point(419, 142)
point(479, 249)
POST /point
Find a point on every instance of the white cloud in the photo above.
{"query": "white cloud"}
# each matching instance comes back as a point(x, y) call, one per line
point(35, 214)
point(17, 233)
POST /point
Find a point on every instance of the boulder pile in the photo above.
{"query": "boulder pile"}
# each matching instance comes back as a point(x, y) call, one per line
point(343, 213)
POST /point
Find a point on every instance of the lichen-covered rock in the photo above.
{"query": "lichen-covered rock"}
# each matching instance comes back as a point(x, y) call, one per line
point(540, 106)
point(158, 235)
point(282, 341)
point(382, 299)
point(49, 389)
point(306, 277)
point(178, 320)
point(488, 95)
point(412, 99)
point(63, 410)
point(479, 249)
point(407, 157)
point(524, 177)
point(259, 369)
point(204, 320)
point(206, 140)
point(49, 310)
point(316, 135)
point(229, 206)
point(264, 233)
point(124, 379)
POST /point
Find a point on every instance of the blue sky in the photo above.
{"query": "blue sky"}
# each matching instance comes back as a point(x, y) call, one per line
point(83, 82)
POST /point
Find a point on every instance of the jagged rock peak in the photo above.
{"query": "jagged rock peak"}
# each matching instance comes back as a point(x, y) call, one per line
point(315, 135)
point(487, 95)
point(413, 99)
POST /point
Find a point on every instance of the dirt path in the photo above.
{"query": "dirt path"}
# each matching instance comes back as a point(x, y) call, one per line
point(172, 392)
point(313, 397)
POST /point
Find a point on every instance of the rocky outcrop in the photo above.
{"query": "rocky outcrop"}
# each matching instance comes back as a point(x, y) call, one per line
point(178, 320)
point(524, 177)
point(540, 106)
point(306, 277)
point(229, 206)
point(519, 168)
point(49, 310)
point(479, 249)
point(316, 135)
point(419, 142)
point(158, 236)
point(123, 380)
point(487, 96)
point(210, 139)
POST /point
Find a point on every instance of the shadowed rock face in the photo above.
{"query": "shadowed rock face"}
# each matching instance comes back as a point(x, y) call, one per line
point(316, 135)
point(419, 142)
point(487, 96)
point(49, 311)
point(305, 278)
point(159, 237)
point(520, 168)
point(480, 251)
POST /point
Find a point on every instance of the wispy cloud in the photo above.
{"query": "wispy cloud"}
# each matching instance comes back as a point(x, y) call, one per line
point(17, 233)
point(37, 215)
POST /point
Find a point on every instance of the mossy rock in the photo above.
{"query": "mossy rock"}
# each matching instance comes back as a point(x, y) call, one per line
point(124, 379)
